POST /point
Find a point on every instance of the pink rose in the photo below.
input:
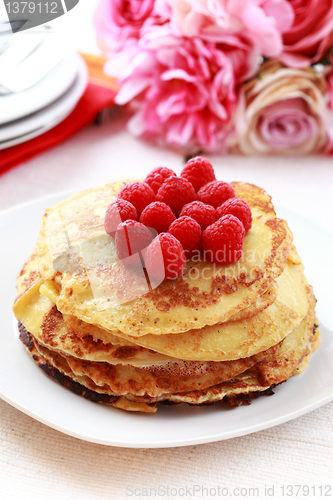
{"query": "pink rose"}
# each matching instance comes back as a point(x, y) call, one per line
point(118, 22)
point(329, 113)
point(183, 91)
point(307, 40)
point(283, 111)
point(329, 78)
point(261, 20)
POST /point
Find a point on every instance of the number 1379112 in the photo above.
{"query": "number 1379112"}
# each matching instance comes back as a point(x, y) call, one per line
point(32, 7)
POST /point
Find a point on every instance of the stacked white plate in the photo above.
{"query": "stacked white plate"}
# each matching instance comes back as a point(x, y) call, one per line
point(32, 105)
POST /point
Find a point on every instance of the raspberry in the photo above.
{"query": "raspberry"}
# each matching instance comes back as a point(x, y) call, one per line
point(223, 240)
point(215, 193)
point(157, 215)
point(239, 208)
point(199, 171)
point(139, 194)
point(188, 232)
point(165, 258)
point(204, 214)
point(176, 192)
point(131, 238)
point(118, 211)
point(157, 176)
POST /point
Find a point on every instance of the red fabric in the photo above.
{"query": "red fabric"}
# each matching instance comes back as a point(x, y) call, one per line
point(94, 99)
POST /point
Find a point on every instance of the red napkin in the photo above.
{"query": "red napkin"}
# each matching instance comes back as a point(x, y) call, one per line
point(95, 99)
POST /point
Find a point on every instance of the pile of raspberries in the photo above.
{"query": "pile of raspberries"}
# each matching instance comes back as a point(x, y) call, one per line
point(166, 219)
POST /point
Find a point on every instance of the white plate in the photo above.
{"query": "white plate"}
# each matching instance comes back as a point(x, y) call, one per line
point(50, 88)
point(25, 386)
point(48, 117)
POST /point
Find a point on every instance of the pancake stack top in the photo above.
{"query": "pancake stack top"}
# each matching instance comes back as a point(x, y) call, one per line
point(218, 332)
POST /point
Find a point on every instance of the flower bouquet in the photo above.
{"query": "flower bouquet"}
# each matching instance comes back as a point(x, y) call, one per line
point(245, 76)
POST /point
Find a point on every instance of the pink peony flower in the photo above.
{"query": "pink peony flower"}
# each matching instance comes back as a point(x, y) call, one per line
point(119, 22)
point(261, 20)
point(282, 111)
point(183, 91)
point(243, 53)
point(307, 40)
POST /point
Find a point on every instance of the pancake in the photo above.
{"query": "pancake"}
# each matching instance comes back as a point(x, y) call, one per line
point(242, 385)
point(221, 342)
point(235, 391)
point(74, 337)
point(291, 353)
point(79, 386)
point(146, 370)
point(239, 339)
point(287, 360)
point(271, 367)
point(60, 371)
point(204, 295)
point(217, 333)
point(155, 380)
point(217, 292)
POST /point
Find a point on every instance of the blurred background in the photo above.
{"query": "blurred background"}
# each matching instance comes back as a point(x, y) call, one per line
point(85, 154)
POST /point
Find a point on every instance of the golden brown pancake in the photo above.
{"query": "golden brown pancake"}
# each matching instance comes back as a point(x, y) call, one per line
point(216, 333)
point(71, 336)
point(126, 369)
point(204, 295)
point(239, 339)
point(235, 390)
point(221, 342)
point(60, 371)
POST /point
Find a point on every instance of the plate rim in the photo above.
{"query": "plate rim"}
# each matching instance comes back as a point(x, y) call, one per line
point(175, 444)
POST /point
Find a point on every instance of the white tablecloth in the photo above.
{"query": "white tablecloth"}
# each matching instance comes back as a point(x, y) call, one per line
point(38, 462)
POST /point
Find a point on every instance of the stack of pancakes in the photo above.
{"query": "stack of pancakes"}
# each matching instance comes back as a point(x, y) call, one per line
point(219, 332)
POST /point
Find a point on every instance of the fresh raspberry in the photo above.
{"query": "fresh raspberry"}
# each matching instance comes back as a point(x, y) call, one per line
point(188, 232)
point(157, 176)
point(239, 208)
point(176, 192)
point(215, 193)
point(199, 171)
point(204, 214)
point(223, 240)
point(157, 215)
point(118, 211)
point(131, 238)
point(165, 258)
point(139, 194)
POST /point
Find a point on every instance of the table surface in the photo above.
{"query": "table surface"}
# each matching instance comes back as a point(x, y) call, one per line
point(38, 462)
